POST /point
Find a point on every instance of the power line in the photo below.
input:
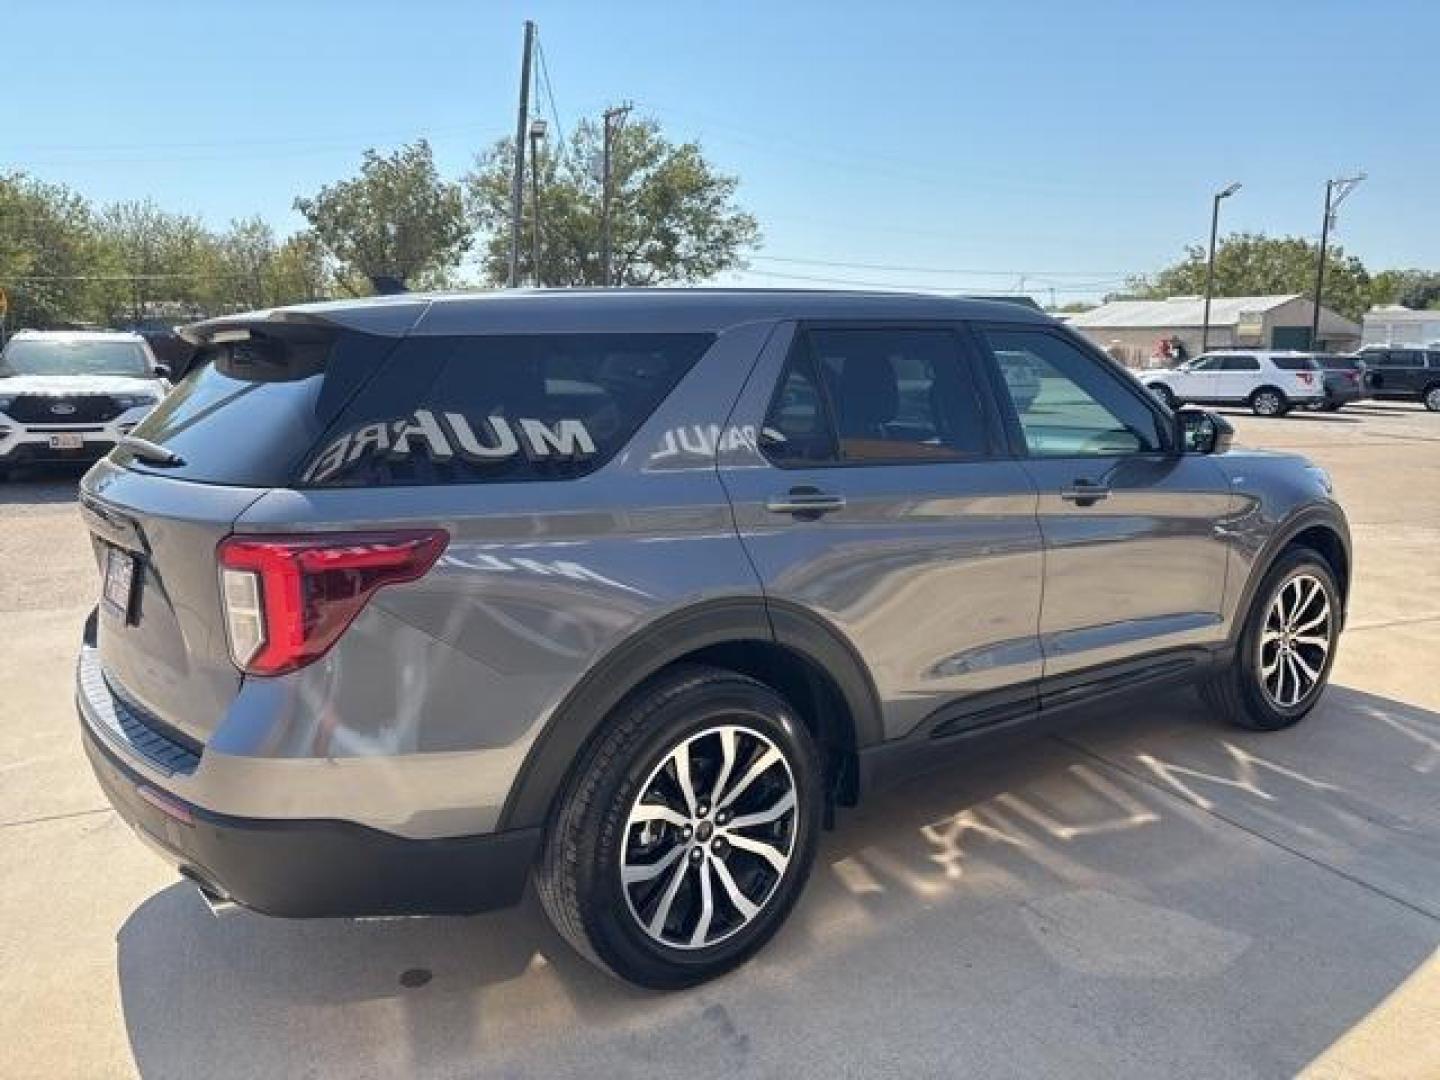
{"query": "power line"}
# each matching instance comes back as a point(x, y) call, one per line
point(900, 287)
point(550, 95)
point(1107, 274)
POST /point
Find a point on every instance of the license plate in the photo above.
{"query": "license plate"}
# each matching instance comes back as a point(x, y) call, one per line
point(119, 591)
point(66, 442)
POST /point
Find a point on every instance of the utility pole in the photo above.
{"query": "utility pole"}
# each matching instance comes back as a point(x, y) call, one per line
point(611, 127)
point(1335, 193)
point(517, 181)
point(537, 132)
point(1210, 261)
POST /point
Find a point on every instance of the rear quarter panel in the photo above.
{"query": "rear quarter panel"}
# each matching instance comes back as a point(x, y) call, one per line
point(540, 581)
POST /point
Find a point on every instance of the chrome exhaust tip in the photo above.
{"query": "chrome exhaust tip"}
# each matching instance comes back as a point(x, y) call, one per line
point(219, 904)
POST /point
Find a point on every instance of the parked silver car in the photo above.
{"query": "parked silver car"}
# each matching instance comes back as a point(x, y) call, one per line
point(407, 599)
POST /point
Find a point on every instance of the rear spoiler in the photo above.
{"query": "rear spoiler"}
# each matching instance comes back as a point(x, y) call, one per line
point(384, 316)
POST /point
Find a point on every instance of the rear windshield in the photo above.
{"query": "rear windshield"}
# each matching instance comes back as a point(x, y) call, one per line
point(57, 356)
point(1339, 363)
point(249, 412)
point(1296, 363)
point(496, 408)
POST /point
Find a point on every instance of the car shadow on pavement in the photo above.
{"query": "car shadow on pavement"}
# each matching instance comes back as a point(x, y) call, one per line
point(1158, 857)
point(41, 484)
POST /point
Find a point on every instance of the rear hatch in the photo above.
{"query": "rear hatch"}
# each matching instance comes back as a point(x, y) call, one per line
point(239, 425)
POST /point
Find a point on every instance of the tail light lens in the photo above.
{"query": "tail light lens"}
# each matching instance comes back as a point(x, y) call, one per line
point(287, 600)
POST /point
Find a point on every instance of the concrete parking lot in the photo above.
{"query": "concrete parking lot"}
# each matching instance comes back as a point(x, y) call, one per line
point(1146, 894)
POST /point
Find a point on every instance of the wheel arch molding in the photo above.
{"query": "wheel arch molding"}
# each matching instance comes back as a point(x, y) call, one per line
point(702, 632)
point(1317, 527)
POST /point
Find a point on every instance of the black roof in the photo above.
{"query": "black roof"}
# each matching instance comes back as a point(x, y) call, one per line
point(618, 310)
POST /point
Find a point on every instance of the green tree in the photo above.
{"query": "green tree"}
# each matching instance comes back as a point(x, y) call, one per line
point(396, 220)
point(1252, 264)
point(47, 244)
point(673, 215)
point(150, 258)
point(1417, 289)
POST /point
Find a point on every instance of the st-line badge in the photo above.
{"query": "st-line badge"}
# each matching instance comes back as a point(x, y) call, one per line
point(451, 435)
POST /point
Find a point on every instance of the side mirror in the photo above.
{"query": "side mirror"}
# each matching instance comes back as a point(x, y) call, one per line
point(162, 371)
point(1201, 432)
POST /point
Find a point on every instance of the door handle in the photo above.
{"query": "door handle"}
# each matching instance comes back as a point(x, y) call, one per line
point(1085, 493)
point(806, 502)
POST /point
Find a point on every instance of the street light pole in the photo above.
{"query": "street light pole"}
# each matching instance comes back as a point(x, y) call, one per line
point(1210, 262)
point(537, 132)
point(609, 117)
point(517, 178)
point(1343, 187)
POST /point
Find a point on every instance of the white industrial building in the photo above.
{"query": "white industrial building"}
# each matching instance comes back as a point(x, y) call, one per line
point(1396, 325)
point(1131, 330)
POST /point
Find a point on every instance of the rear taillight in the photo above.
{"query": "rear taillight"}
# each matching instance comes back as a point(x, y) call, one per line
point(287, 600)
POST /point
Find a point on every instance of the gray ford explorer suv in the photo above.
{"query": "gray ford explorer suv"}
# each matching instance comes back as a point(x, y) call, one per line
point(407, 600)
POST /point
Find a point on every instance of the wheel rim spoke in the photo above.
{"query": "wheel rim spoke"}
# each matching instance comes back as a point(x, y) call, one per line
point(771, 854)
point(657, 812)
point(781, 806)
point(743, 903)
point(727, 763)
point(667, 900)
point(681, 760)
point(707, 906)
point(635, 873)
point(769, 758)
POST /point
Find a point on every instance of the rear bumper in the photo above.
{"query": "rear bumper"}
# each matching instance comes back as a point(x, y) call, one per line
point(302, 869)
point(1342, 395)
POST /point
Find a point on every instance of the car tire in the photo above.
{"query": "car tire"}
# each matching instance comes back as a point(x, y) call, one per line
point(1431, 398)
point(596, 879)
point(1267, 401)
point(1253, 691)
point(1164, 394)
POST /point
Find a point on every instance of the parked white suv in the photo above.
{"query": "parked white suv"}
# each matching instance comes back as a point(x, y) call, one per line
point(72, 395)
point(1269, 382)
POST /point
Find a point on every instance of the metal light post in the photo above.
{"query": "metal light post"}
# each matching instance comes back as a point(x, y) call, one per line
point(1210, 262)
point(537, 132)
point(1335, 193)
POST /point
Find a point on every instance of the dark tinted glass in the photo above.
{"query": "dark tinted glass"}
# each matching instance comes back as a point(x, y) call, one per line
point(1296, 363)
point(899, 395)
point(1339, 363)
point(798, 427)
point(1078, 407)
point(1239, 363)
point(248, 416)
point(494, 408)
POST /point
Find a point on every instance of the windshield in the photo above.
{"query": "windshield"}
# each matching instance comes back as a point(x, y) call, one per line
point(35, 356)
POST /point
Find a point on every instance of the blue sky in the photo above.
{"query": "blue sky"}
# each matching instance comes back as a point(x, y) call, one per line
point(1072, 143)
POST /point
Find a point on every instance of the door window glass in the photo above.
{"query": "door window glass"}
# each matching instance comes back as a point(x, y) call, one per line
point(798, 427)
point(1078, 408)
point(1239, 363)
point(899, 394)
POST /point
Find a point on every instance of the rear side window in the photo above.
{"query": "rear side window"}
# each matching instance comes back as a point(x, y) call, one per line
point(1296, 363)
point(250, 412)
point(875, 396)
point(496, 408)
